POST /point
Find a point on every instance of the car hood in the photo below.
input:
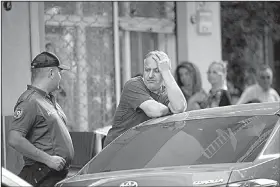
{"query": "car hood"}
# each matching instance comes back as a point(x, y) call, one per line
point(195, 175)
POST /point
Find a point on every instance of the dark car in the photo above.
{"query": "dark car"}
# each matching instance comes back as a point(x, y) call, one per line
point(233, 146)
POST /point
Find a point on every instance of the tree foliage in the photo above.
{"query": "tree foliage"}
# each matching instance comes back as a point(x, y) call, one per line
point(244, 24)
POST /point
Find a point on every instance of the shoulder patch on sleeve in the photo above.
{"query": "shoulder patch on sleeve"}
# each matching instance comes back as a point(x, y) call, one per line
point(18, 113)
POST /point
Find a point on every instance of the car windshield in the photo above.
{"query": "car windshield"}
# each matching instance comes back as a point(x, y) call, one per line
point(190, 142)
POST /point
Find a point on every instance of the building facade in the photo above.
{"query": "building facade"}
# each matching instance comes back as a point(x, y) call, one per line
point(104, 43)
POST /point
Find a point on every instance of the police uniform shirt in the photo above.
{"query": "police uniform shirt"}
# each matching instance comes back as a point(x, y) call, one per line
point(41, 121)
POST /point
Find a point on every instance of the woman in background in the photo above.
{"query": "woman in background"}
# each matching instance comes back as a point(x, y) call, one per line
point(188, 78)
point(218, 94)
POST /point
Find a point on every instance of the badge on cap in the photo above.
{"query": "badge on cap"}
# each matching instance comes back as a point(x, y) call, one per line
point(18, 113)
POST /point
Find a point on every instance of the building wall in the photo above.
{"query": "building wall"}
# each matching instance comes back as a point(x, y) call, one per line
point(16, 54)
point(16, 57)
point(200, 49)
point(20, 33)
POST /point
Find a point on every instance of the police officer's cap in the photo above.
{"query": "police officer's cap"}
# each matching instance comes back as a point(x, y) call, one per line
point(47, 59)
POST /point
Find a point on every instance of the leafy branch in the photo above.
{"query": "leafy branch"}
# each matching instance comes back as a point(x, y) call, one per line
point(244, 26)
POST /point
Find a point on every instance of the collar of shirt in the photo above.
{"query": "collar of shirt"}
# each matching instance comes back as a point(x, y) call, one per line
point(222, 88)
point(260, 88)
point(42, 93)
point(162, 89)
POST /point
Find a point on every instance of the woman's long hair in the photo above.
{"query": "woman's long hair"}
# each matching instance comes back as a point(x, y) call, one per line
point(197, 86)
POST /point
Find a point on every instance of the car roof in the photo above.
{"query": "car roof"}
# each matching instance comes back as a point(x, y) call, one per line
point(253, 109)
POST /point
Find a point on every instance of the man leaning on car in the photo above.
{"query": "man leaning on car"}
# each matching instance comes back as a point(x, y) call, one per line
point(154, 95)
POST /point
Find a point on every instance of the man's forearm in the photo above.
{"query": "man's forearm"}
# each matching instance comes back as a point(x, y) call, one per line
point(160, 111)
point(23, 146)
point(154, 109)
point(175, 95)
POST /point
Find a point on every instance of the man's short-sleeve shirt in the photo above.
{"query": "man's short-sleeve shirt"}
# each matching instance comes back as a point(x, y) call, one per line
point(255, 92)
point(128, 113)
point(42, 122)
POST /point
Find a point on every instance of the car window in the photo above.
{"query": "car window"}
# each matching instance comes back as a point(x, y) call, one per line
point(274, 146)
point(191, 142)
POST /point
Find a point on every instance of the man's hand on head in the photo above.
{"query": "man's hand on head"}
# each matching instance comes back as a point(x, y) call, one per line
point(163, 61)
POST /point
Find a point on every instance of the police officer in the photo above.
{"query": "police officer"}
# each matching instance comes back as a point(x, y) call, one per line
point(38, 130)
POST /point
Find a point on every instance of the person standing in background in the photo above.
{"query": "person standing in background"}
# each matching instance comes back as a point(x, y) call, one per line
point(188, 78)
point(218, 94)
point(262, 90)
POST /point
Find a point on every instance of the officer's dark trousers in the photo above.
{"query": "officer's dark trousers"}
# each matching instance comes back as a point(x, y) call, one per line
point(40, 175)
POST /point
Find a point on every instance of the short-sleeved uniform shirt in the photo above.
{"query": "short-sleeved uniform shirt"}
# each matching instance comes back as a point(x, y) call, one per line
point(128, 113)
point(255, 92)
point(43, 123)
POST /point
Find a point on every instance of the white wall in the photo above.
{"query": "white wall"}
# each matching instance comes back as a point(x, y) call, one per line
point(199, 49)
point(18, 48)
point(22, 38)
point(16, 55)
